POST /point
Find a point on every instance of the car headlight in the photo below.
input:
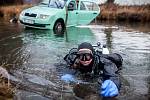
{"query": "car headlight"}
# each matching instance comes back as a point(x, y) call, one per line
point(43, 16)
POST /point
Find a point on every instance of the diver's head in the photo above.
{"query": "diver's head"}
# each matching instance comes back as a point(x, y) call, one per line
point(85, 53)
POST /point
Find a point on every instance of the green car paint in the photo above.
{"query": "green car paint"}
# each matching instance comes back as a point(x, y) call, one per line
point(51, 14)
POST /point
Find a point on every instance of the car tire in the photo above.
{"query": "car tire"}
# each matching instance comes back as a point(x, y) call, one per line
point(59, 27)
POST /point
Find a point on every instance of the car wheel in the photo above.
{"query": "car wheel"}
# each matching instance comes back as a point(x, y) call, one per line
point(59, 27)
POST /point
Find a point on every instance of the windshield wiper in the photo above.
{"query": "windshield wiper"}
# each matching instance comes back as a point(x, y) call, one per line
point(43, 4)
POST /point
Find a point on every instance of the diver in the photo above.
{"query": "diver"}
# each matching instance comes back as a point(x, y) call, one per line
point(88, 61)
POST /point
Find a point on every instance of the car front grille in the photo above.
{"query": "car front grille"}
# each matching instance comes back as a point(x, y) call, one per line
point(30, 14)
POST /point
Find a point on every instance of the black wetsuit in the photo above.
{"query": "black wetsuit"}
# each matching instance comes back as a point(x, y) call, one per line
point(105, 66)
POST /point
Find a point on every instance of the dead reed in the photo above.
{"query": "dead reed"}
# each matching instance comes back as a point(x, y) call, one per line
point(7, 12)
point(124, 13)
point(6, 91)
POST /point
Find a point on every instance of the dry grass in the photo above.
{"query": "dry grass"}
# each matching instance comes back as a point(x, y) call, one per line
point(125, 13)
point(7, 12)
point(6, 90)
point(6, 93)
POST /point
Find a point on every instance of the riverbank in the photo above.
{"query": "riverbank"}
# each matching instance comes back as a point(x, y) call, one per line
point(108, 12)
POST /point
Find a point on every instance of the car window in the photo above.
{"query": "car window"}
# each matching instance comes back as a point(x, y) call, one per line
point(54, 3)
point(92, 6)
point(82, 6)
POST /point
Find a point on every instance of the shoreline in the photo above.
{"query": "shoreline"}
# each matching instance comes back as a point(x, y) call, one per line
point(109, 11)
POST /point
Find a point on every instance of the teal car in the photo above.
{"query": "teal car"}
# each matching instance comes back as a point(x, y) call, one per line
point(58, 14)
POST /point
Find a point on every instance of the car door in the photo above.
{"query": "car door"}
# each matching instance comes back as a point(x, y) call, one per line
point(72, 13)
point(87, 11)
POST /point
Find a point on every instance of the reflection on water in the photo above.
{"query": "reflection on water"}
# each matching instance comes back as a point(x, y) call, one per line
point(109, 37)
point(30, 57)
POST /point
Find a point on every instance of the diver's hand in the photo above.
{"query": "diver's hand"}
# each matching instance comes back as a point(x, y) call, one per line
point(109, 89)
point(68, 78)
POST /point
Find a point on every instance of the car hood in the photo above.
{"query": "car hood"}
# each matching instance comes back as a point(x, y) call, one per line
point(43, 10)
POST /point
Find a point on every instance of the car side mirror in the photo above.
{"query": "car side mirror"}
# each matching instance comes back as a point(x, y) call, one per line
point(70, 7)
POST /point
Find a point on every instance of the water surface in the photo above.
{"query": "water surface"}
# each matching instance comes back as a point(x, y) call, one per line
point(33, 57)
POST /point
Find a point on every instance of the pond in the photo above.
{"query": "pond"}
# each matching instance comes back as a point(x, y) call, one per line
point(32, 57)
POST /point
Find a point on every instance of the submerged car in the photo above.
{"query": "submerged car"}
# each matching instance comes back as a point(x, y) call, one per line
point(58, 14)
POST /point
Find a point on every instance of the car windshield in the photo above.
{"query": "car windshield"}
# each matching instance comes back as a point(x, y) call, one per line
point(54, 3)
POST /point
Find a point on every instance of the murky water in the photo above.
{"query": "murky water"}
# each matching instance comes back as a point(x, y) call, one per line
point(32, 57)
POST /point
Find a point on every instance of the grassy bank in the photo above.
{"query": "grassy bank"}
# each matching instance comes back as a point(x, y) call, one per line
point(125, 13)
point(108, 12)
